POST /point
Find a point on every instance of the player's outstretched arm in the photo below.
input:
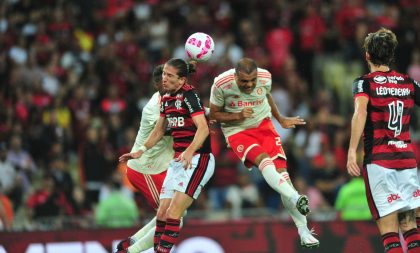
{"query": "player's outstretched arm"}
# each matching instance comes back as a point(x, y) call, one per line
point(155, 136)
point(285, 122)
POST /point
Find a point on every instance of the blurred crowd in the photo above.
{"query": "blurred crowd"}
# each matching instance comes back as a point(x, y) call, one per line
point(74, 76)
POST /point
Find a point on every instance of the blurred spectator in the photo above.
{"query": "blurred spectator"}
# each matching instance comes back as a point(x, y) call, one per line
point(94, 167)
point(48, 200)
point(414, 67)
point(22, 161)
point(244, 194)
point(351, 201)
point(8, 175)
point(318, 201)
point(116, 209)
point(326, 176)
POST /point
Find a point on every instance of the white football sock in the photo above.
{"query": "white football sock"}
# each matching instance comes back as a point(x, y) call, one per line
point(144, 230)
point(144, 243)
point(277, 181)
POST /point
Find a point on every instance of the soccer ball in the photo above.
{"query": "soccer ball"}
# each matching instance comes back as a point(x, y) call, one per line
point(199, 47)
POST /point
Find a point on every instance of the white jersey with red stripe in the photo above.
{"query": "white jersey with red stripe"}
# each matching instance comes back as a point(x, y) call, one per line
point(226, 94)
point(156, 159)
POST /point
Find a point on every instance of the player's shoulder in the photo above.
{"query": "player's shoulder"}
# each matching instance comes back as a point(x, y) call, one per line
point(224, 79)
point(362, 78)
point(264, 76)
point(187, 87)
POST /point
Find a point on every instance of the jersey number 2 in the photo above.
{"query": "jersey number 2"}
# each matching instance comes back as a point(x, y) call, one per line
point(395, 116)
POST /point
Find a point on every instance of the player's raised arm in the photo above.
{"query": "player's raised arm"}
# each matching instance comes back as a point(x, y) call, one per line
point(154, 137)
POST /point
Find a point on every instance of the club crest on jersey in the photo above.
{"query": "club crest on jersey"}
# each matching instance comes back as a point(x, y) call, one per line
point(178, 104)
point(240, 148)
point(380, 79)
point(259, 91)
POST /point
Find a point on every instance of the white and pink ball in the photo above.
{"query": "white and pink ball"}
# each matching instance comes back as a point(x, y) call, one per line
point(199, 47)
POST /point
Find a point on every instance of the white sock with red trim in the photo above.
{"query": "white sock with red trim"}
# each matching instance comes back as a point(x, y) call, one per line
point(277, 181)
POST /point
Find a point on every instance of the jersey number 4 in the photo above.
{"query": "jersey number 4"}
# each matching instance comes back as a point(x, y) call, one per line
point(395, 116)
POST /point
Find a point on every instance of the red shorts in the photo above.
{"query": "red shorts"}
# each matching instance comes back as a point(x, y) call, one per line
point(148, 185)
point(250, 143)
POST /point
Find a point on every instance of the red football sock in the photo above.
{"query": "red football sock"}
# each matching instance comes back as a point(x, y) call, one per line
point(160, 228)
point(170, 236)
point(412, 237)
point(392, 243)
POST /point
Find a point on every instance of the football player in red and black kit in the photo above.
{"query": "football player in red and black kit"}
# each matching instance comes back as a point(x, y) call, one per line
point(384, 100)
point(193, 166)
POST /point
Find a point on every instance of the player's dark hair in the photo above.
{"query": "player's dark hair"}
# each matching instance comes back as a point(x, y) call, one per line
point(157, 74)
point(184, 68)
point(381, 46)
point(246, 65)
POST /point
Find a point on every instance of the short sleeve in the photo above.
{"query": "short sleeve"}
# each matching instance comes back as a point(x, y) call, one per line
point(360, 88)
point(216, 96)
point(193, 103)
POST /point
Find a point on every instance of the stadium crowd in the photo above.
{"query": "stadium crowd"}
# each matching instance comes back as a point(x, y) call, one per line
point(74, 76)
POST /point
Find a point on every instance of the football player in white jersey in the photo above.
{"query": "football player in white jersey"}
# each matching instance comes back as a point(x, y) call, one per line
point(241, 101)
point(148, 172)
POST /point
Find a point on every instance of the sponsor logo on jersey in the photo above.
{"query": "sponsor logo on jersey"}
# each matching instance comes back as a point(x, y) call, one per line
point(392, 197)
point(241, 103)
point(380, 79)
point(393, 91)
point(395, 79)
point(360, 86)
point(398, 144)
point(240, 148)
point(188, 105)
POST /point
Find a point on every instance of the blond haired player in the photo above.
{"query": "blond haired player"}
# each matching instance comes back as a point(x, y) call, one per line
point(241, 101)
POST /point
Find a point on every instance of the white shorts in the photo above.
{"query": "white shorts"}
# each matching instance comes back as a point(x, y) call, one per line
point(390, 190)
point(189, 181)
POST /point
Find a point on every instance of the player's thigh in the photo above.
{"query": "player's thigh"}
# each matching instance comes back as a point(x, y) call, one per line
point(179, 203)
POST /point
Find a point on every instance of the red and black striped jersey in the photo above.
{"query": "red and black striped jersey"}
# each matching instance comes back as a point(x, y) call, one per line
point(386, 135)
point(179, 109)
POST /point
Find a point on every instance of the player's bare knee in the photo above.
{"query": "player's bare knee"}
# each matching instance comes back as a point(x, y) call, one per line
point(261, 157)
point(161, 214)
point(174, 213)
point(407, 220)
